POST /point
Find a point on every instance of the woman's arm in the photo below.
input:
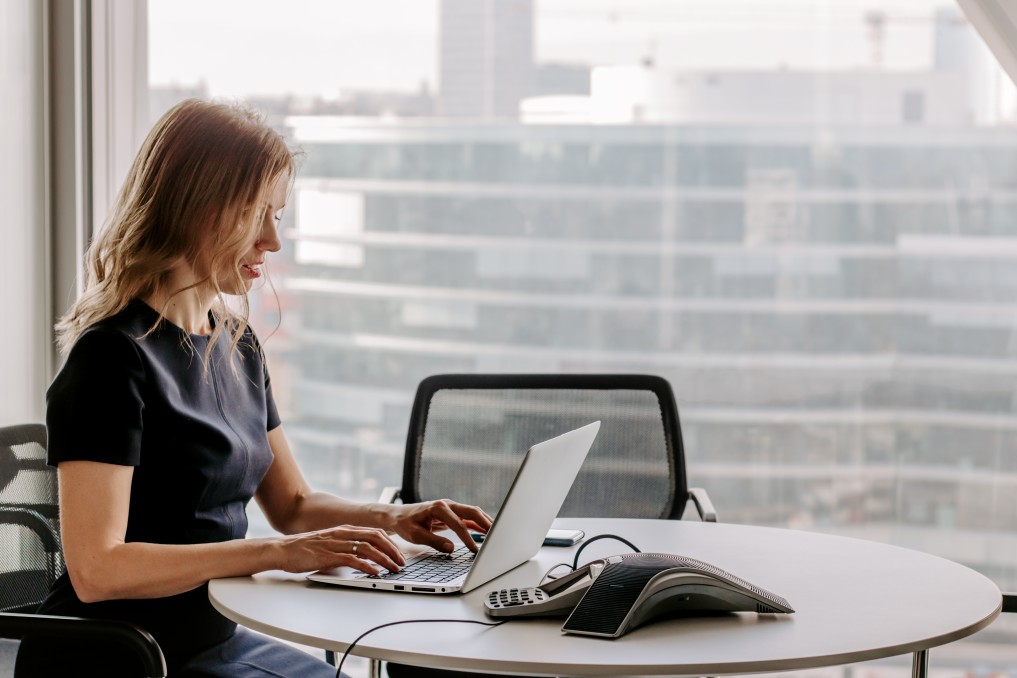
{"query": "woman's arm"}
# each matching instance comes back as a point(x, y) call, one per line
point(291, 506)
point(94, 505)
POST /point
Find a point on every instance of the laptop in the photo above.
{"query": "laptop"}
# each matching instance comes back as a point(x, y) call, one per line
point(533, 501)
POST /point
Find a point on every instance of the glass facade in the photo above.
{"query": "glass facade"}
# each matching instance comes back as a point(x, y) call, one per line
point(879, 321)
point(842, 355)
point(826, 277)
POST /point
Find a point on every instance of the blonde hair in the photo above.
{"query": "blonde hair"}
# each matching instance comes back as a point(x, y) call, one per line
point(196, 191)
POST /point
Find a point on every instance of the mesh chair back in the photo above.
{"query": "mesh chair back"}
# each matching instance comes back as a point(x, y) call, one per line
point(29, 519)
point(468, 434)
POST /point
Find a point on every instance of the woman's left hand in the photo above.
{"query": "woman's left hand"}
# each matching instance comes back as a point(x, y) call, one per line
point(418, 523)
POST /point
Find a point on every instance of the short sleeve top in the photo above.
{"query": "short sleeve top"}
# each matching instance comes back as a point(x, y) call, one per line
point(196, 438)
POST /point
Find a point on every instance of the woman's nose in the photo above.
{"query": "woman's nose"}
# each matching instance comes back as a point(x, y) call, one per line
point(269, 241)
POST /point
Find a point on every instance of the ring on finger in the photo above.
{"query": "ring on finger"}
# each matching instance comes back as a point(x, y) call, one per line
point(356, 545)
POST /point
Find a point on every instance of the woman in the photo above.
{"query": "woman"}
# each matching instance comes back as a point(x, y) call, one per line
point(162, 423)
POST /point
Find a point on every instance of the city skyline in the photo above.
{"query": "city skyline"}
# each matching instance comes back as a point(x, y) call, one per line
point(391, 45)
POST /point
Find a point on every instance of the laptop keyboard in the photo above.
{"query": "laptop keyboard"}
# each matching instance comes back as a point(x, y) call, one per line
point(436, 568)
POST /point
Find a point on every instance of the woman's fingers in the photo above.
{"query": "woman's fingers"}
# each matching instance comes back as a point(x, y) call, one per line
point(446, 512)
point(460, 518)
point(362, 548)
point(418, 523)
point(381, 543)
point(473, 516)
point(366, 557)
point(367, 544)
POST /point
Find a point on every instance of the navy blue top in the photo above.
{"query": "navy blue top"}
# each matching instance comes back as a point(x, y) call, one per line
point(197, 442)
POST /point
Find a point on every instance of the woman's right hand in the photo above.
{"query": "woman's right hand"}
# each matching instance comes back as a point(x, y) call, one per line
point(362, 548)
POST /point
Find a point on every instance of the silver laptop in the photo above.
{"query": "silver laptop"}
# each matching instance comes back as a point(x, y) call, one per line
point(533, 501)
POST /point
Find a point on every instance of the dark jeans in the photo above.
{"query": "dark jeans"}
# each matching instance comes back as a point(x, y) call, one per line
point(251, 655)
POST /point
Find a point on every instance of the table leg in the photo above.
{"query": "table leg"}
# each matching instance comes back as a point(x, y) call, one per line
point(920, 664)
point(374, 670)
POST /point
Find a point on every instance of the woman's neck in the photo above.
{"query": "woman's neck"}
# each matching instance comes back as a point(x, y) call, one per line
point(188, 309)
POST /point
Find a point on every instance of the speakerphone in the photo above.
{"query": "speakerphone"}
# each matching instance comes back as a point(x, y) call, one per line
point(611, 596)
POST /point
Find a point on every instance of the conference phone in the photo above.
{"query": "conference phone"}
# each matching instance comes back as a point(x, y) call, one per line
point(611, 596)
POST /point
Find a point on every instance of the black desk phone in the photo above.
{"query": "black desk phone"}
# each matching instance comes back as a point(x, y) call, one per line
point(611, 596)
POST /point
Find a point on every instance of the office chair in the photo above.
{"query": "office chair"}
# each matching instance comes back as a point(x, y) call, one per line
point(32, 558)
point(468, 434)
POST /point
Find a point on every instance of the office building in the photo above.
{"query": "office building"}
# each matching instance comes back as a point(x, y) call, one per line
point(831, 304)
point(486, 57)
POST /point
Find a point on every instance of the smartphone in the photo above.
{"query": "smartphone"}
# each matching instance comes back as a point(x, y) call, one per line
point(554, 537)
point(563, 537)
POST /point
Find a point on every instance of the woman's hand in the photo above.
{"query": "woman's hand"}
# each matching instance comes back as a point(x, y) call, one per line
point(362, 548)
point(418, 523)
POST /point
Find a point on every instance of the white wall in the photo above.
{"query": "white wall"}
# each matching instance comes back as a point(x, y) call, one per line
point(24, 351)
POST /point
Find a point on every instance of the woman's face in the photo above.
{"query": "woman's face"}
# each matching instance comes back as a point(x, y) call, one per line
point(267, 240)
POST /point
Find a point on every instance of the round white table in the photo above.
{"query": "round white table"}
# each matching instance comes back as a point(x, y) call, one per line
point(854, 601)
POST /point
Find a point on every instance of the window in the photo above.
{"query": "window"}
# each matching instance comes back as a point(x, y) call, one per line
point(802, 215)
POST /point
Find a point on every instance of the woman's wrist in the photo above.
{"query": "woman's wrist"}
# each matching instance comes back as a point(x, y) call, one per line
point(270, 552)
point(376, 514)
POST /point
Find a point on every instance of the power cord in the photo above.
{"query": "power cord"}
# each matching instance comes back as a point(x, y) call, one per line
point(342, 660)
point(575, 561)
point(573, 566)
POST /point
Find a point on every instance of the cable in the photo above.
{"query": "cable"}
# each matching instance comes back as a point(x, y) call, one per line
point(575, 561)
point(547, 575)
point(339, 668)
point(575, 564)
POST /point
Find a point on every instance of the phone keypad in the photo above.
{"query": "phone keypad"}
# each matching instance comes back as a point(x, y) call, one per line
point(515, 597)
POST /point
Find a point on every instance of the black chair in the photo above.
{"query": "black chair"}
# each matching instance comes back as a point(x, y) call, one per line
point(32, 559)
point(468, 433)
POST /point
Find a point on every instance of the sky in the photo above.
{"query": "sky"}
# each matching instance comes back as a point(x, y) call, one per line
point(322, 47)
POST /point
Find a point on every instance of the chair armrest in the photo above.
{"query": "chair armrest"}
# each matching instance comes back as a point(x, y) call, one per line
point(1009, 602)
point(389, 494)
point(33, 520)
point(704, 506)
point(14, 625)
